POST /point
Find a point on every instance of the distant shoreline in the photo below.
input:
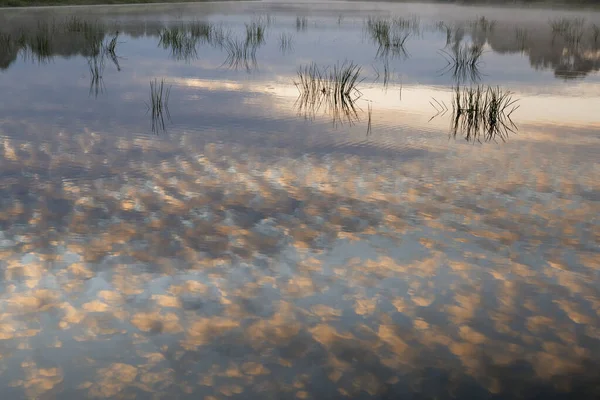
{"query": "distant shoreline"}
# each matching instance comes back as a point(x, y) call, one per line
point(53, 3)
point(595, 4)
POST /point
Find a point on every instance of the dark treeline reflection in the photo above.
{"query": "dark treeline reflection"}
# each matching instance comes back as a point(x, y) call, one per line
point(569, 47)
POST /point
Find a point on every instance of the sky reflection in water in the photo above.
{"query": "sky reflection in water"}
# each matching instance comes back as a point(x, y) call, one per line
point(251, 249)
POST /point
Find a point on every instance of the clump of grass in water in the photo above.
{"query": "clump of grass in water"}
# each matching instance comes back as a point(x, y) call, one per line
point(571, 30)
point(110, 50)
point(463, 63)
point(96, 66)
point(75, 24)
point(301, 23)
point(39, 46)
point(286, 42)
point(112, 44)
point(268, 19)
point(332, 89)
point(240, 54)
point(447, 30)
point(201, 30)
point(92, 31)
point(379, 28)
point(7, 44)
point(370, 112)
point(411, 24)
point(159, 104)
point(595, 33)
point(482, 112)
point(562, 25)
point(95, 47)
point(180, 41)
point(521, 35)
point(390, 36)
point(255, 33)
point(483, 24)
point(341, 80)
point(98, 50)
point(219, 36)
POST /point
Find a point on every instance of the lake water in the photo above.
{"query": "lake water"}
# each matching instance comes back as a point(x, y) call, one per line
point(264, 227)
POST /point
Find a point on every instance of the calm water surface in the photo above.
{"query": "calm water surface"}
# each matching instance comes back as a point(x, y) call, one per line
point(251, 240)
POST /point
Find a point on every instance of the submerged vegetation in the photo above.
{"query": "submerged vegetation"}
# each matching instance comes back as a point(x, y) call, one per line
point(480, 113)
point(159, 105)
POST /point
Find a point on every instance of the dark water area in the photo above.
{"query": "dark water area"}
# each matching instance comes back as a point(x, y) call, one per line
point(308, 200)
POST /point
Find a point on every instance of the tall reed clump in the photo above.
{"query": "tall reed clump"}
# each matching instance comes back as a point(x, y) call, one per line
point(463, 62)
point(483, 113)
point(159, 104)
point(332, 89)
